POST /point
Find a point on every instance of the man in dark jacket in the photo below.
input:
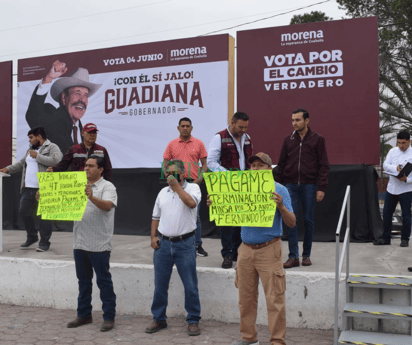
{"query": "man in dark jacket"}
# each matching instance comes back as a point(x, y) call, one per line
point(304, 169)
point(63, 124)
point(77, 155)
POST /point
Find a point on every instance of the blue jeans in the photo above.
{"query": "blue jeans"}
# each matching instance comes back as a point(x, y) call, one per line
point(391, 201)
point(231, 240)
point(198, 233)
point(306, 193)
point(183, 255)
point(27, 210)
point(85, 263)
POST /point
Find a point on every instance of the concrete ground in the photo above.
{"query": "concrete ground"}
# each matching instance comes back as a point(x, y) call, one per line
point(44, 326)
point(364, 257)
point(34, 325)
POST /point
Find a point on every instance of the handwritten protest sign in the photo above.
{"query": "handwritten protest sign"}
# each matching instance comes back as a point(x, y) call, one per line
point(241, 198)
point(62, 195)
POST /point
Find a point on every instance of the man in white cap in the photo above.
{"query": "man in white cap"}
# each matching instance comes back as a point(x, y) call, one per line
point(62, 124)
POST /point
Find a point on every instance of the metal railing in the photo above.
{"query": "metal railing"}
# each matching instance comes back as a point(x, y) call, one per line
point(339, 258)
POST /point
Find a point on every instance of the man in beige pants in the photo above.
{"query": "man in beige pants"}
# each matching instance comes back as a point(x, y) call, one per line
point(260, 255)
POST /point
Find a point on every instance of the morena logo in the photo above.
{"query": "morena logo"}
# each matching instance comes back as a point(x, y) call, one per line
point(304, 35)
point(188, 51)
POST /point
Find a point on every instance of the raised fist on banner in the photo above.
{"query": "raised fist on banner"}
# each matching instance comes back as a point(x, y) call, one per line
point(57, 70)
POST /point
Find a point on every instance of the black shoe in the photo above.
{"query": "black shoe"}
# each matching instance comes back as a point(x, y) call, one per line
point(28, 243)
point(42, 248)
point(410, 269)
point(227, 262)
point(107, 325)
point(200, 251)
point(79, 321)
point(156, 326)
point(404, 243)
point(381, 242)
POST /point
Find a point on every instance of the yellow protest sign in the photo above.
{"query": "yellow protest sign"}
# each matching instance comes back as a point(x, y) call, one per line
point(62, 195)
point(241, 198)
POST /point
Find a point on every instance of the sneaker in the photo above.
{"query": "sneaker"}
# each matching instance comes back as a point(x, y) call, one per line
point(193, 329)
point(227, 262)
point(244, 342)
point(28, 243)
point(200, 251)
point(42, 248)
point(291, 262)
point(404, 243)
point(410, 269)
point(306, 261)
point(79, 321)
point(381, 242)
point(156, 326)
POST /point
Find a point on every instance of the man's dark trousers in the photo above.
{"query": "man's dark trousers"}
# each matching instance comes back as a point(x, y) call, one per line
point(28, 209)
point(231, 240)
point(391, 201)
point(85, 262)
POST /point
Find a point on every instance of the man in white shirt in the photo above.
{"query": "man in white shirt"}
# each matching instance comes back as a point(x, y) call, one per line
point(173, 239)
point(230, 150)
point(398, 189)
point(41, 154)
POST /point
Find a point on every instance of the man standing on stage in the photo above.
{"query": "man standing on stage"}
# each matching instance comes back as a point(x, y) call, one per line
point(189, 150)
point(260, 255)
point(173, 239)
point(398, 189)
point(92, 238)
point(38, 157)
point(77, 155)
point(62, 125)
point(304, 169)
point(230, 149)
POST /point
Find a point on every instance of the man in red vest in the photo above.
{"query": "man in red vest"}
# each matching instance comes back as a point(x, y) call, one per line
point(230, 150)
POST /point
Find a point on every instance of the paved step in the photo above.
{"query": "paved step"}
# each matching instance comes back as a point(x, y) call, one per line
point(376, 338)
point(381, 282)
point(381, 311)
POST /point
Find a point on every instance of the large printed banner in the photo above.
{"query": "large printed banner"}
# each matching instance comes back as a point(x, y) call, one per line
point(328, 68)
point(6, 112)
point(136, 96)
point(241, 198)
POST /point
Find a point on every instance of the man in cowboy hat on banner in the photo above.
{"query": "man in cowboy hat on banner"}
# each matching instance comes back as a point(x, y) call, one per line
point(62, 125)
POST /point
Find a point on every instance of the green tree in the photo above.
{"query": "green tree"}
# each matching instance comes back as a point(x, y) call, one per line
point(312, 17)
point(395, 58)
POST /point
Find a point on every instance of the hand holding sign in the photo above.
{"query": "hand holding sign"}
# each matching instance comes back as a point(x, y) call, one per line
point(88, 190)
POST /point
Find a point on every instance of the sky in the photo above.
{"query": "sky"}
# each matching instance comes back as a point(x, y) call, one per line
point(47, 27)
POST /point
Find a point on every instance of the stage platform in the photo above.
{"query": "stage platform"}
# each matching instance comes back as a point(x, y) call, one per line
point(364, 257)
point(48, 279)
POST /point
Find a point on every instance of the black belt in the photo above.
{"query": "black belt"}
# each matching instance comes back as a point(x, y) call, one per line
point(177, 238)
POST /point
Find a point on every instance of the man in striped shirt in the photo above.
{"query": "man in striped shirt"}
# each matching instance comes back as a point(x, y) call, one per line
point(93, 244)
